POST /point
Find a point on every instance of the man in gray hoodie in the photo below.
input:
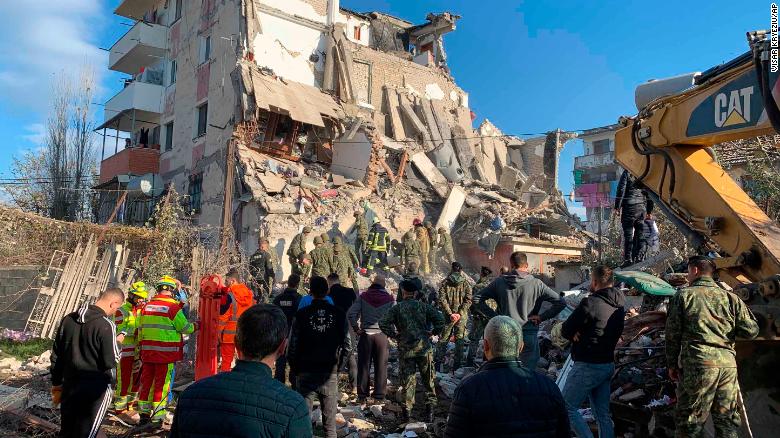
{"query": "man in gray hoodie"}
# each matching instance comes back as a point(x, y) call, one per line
point(520, 296)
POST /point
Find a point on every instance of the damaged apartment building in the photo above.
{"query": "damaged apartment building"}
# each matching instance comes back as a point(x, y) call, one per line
point(270, 115)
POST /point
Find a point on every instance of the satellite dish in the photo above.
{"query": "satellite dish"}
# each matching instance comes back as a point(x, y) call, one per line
point(146, 186)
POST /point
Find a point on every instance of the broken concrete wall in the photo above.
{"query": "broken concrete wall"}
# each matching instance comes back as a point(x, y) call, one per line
point(351, 156)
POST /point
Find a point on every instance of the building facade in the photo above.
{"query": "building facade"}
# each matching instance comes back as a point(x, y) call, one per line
point(596, 175)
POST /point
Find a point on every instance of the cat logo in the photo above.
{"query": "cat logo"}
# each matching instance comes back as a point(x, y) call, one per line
point(734, 108)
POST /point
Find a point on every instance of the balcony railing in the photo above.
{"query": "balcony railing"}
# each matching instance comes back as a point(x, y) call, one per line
point(594, 160)
point(143, 45)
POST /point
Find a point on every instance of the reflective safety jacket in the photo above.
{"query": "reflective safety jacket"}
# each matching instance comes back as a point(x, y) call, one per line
point(378, 238)
point(160, 326)
point(126, 321)
point(239, 298)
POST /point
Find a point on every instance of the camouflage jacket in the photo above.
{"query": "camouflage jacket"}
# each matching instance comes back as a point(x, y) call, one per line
point(702, 324)
point(412, 322)
point(410, 249)
point(422, 238)
point(433, 237)
point(321, 262)
point(361, 227)
point(477, 292)
point(455, 295)
point(261, 266)
point(297, 246)
point(445, 242)
point(343, 264)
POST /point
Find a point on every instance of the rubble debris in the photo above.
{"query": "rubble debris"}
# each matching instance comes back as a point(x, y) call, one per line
point(431, 173)
point(452, 207)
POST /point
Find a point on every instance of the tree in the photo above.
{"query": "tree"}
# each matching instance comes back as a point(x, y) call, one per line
point(763, 185)
point(54, 181)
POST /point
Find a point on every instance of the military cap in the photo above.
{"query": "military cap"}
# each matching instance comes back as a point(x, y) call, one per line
point(337, 240)
point(442, 230)
point(701, 258)
point(318, 240)
point(325, 237)
point(306, 230)
point(428, 224)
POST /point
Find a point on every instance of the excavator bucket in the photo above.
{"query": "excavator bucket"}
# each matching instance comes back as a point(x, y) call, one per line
point(208, 313)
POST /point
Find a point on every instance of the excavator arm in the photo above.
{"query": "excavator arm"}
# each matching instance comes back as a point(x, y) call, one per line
point(667, 147)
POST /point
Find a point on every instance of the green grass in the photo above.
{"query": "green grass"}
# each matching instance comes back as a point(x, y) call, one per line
point(24, 350)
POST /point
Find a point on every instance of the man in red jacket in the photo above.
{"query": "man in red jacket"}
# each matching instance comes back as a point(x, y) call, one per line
point(237, 298)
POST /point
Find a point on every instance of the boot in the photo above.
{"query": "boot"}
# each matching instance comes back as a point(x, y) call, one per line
point(130, 417)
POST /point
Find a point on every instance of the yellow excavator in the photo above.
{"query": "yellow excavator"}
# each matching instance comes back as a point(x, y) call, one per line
point(666, 146)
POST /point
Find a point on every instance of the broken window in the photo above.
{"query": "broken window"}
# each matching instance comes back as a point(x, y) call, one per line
point(277, 134)
point(194, 191)
point(169, 136)
point(601, 146)
point(203, 112)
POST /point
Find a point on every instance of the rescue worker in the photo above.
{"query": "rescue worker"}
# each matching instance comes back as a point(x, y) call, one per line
point(410, 249)
point(478, 319)
point(412, 323)
point(445, 246)
point(454, 298)
point(298, 248)
point(321, 259)
point(378, 242)
point(304, 272)
point(412, 274)
point(128, 371)
point(160, 328)
point(424, 241)
point(433, 240)
point(344, 262)
point(702, 325)
point(261, 268)
point(361, 236)
point(631, 204)
point(236, 298)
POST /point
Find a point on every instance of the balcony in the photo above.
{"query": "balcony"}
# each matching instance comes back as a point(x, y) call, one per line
point(134, 9)
point(139, 104)
point(594, 160)
point(142, 45)
point(130, 161)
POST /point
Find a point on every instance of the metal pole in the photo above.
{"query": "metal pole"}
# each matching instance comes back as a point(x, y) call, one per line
point(600, 234)
point(103, 151)
point(116, 137)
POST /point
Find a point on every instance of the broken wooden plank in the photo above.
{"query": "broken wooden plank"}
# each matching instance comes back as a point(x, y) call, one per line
point(388, 170)
point(391, 98)
point(402, 166)
point(451, 210)
point(431, 173)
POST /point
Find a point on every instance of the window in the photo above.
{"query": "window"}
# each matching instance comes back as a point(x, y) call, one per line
point(169, 136)
point(205, 49)
point(195, 189)
point(356, 33)
point(601, 146)
point(177, 13)
point(203, 113)
point(156, 135)
point(172, 77)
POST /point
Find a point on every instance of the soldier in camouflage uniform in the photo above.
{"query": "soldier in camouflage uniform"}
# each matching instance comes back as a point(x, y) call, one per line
point(478, 319)
point(433, 240)
point(361, 236)
point(424, 244)
point(327, 244)
point(445, 246)
point(261, 268)
point(411, 323)
point(454, 299)
point(297, 249)
point(303, 268)
point(345, 262)
point(321, 259)
point(703, 322)
point(410, 249)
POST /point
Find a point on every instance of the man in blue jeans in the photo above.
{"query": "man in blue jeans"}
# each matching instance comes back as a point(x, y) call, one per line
point(594, 329)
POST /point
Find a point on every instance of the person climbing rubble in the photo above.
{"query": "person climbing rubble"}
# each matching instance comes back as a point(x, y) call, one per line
point(297, 249)
point(478, 319)
point(378, 244)
point(520, 295)
point(236, 298)
point(423, 245)
point(703, 324)
point(445, 246)
point(433, 241)
point(361, 236)
point(160, 328)
point(261, 269)
point(412, 323)
point(128, 371)
point(321, 259)
point(454, 300)
point(410, 249)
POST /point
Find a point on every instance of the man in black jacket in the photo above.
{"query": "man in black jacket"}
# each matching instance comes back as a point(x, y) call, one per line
point(594, 329)
point(506, 399)
point(319, 333)
point(631, 204)
point(343, 297)
point(288, 301)
point(246, 402)
point(83, 359)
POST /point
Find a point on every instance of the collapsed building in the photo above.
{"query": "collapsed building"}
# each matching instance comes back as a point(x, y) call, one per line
point(276, 114)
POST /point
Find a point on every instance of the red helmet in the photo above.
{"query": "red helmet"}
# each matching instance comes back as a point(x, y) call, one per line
point(416, 222)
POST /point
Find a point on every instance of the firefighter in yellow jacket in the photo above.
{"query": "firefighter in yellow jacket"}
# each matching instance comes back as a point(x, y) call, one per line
point(128, 371)
point(378, 242)
point(160, 328)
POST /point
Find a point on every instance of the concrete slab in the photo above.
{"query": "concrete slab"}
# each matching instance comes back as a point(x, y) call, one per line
point(272, 183)
point(351, 157)
point(451, 210)
point(511, 178)
point(431, 174)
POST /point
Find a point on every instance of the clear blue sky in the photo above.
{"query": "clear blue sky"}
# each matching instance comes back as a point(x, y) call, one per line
point(529, 67)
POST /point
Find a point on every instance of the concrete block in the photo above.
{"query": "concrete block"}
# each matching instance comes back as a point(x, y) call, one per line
point(430, 173)
point(451, 210)
point(511, 178)
point(272, 183)
point(351, 157)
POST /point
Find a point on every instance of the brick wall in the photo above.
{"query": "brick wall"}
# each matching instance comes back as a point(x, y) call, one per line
point(137, 161)
point(18, 291)
point(320, 6)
